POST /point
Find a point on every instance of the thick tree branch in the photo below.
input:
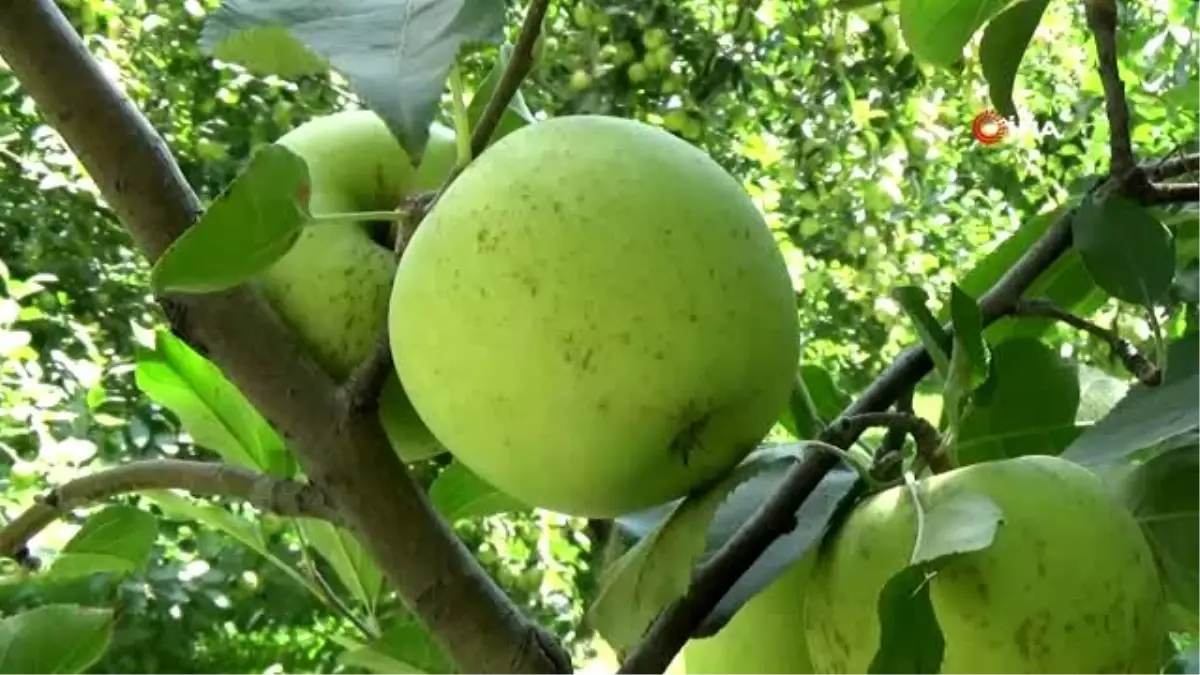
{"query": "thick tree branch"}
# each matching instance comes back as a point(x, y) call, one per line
point(209, 479)
point(349, 457)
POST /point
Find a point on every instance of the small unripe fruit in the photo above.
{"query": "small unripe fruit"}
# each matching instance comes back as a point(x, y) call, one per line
point(637, 72)
point(654, 38)
point(580, 80)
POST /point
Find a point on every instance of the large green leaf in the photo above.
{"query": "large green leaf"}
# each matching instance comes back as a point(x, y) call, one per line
point(937, 30)
point(213, 411)
point(396, 54)
point(252, 224)
point(1146, 416)
point(1128, 251)
point(910, 639)
point(1005, 40)
point(404, 647)
point(1164, 494)
point(460, 494)
point(354, 566)
point(59, 638)
point(827, 402)
point(1027, 406)
point(933, 337)
point(240, 529)
point(115, 539)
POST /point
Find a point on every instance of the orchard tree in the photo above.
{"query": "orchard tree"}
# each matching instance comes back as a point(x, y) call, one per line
point(431, 306)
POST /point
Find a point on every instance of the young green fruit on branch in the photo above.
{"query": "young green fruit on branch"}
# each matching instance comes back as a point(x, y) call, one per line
point(1068, 585)
point(595, 317)
point(332, 286)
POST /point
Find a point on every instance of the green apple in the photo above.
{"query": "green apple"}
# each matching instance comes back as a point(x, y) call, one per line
point(1069, 584)
point(332, 286)
point(764, 636)
point(595, 317)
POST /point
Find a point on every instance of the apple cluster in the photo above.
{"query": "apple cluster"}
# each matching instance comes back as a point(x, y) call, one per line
point(595, 319)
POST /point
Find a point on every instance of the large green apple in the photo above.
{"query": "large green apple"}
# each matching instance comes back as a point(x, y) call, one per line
point(1067, 586)
point(332, 286)
point(595, 317)
point(765, 636)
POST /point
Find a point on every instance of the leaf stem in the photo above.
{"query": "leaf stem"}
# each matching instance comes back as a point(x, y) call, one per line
point(462, 124)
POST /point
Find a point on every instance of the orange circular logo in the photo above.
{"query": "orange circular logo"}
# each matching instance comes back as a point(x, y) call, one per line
point(989, 127)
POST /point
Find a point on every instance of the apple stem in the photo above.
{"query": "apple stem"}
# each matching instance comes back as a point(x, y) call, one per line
point(853, 457)
point(462, 124)
point(359, 217)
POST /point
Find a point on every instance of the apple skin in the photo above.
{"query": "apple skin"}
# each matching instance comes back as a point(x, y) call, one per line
point(332, 286)
point(595, 317)
point(764, 636)
point(1068, 586)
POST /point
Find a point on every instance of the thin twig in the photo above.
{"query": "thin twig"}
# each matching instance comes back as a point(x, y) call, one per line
point(1102, 19)
point(924, 434)
point(1173, 193)
point(1173, 167)
point(519, 64)
point(1133, 360)
point(361, 390)
point(284, 497)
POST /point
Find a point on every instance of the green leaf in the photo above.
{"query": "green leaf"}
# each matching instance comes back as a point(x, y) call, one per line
point(962, 523)
point(967, 321)
point(354, 566)
point(1147, 415)
point(1028, 406)
point(1005, 40)
point(212, 410)
point(404, 647)
point(1184, 661)
point(396, 54)
point(910, 639)
point(937, 30)
point(836, 491)
point(221, 520)
point(460, 494)
point(934, 338)
point(827, 399)
point(658, 569)
point(1099, 392)
point(1128, 251)
point(252, 224)
point(120, 536)
point(266, 50)
point(1162, 494)
point(517, 114)
point(59, 638)
point(68, 566)
point(409, 437)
